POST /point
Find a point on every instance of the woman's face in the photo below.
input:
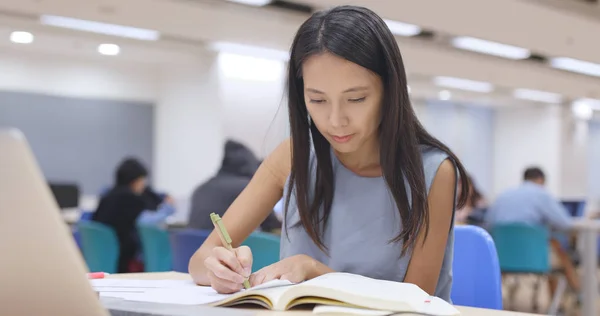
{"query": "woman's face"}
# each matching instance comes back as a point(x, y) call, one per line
point(343, 100)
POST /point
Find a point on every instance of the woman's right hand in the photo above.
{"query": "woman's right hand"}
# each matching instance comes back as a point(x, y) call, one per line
point(227, 269)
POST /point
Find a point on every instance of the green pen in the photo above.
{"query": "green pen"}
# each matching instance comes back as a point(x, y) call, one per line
point(225, 239)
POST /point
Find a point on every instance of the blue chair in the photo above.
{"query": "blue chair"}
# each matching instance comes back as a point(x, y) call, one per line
point(265, 249)
point(100, 246)
point(526, 249)
point(477, 281)
point(156, 248)
point(183, 245)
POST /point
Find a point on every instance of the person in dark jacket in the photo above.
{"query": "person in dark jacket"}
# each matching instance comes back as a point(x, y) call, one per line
point(121, 207)
point(214, 196)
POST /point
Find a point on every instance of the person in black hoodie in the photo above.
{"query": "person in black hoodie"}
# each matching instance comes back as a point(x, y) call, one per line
point(214, 196)
point(120, 207)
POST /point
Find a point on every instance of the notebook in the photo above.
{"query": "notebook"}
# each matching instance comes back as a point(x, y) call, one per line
point(333, 289)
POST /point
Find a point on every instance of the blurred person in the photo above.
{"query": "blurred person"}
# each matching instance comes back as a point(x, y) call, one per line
point(367, 189)
point(531, 204)
point(218, 193)
point(124, 206)
point(475, 206)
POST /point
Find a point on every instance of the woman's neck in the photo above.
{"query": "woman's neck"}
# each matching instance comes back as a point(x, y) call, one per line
point(364, 162)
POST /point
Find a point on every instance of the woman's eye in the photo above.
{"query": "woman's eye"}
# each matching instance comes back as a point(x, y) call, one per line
point(317, 101)
point(357, 100)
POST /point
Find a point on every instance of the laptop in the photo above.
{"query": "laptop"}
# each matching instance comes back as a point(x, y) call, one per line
point(41, 269)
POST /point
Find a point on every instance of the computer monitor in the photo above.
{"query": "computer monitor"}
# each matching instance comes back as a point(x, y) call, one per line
point(574, 207)
point(66, 194)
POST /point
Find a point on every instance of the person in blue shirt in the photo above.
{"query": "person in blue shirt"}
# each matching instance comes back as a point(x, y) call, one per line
point(530, 203)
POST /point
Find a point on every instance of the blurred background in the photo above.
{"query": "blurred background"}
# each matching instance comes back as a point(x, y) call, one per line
point(506, 84)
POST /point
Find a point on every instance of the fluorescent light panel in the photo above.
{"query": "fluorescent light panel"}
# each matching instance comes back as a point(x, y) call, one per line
point(576, 65)
point(490, 48)
point(253, 51)
point(536, 95)
point(257, 3)
point(402, 29)
point(21, 37)
point(100, 28)
point(463, 84)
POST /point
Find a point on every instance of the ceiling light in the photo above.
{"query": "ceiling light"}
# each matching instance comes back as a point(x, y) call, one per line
point(253, 51)
point(536, 95)
point(101, 28)
point(258, 3)
point(490, 48)
point(444, 95)
point(584, 108)
point(109, 49)
point(575, 65)
point(403, 29)
point(21, 37)
point(463, 84)
point(250, 68)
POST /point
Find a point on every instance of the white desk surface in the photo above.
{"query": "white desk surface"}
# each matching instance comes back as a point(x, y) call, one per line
point(119, 307)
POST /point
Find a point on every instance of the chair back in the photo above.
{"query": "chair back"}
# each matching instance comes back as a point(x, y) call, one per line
point(183, 245)
point(156, 248)
point(522, 248)
point(477, 281)
point(99, 245)
point(265, 249)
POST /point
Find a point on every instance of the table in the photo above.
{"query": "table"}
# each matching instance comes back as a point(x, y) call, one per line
point(588, 230)
point(118, 307)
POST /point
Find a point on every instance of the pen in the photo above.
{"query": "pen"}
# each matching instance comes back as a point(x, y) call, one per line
point(225, 239)
point(97, 275)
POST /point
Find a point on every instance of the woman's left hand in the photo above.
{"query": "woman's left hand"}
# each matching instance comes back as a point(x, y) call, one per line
point(296, 269)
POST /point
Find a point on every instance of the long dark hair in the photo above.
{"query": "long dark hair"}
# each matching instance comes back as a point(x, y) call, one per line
point(360, 36)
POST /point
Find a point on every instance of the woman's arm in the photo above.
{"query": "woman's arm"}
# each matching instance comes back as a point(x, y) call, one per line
point(250, 208)
point(426, 262)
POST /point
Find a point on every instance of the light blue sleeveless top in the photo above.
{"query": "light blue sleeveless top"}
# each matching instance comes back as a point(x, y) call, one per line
point(363, 219)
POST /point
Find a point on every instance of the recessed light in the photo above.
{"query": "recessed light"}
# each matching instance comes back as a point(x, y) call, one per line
point(444, 95)
point(584, 108)
point(536, 95)
point(463, 84)
point(21, 37)
point(257, 3)
point(99, 27)
point(576, 65)
point(402, 29)
point(248, 50)
point(109, 49)
point(491, 48)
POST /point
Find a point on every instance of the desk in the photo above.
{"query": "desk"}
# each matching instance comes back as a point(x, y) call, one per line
point(118, 307)
point(588, 230)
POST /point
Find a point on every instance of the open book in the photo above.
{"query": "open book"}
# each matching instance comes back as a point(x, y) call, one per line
point(354, 294)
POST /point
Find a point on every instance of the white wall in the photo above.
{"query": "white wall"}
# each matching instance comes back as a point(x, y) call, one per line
point(77, 78)
point(523, 137)
point(468, 131)
point(188, 130)
point(251, 93)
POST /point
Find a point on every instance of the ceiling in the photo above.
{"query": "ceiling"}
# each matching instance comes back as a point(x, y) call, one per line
point(548, 29)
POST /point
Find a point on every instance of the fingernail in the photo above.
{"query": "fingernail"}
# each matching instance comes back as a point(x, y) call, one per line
point(248, 271)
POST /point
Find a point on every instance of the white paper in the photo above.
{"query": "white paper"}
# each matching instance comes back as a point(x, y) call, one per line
point(139, 284)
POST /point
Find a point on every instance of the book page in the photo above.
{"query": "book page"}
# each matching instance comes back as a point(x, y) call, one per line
point(370, 289)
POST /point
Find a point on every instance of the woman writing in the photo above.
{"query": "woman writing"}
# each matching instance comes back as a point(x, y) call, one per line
point(367, 190)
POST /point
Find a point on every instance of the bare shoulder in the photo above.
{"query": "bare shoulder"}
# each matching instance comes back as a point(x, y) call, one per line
point(441, 194)
point(446, 173)
point(279, 162)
